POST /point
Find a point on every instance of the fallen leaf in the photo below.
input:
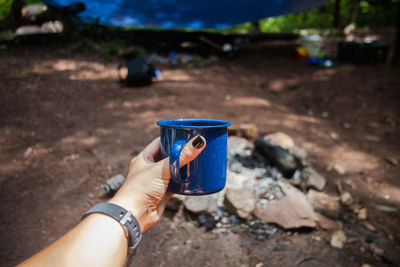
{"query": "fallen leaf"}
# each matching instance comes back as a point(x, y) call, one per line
point(27, 152)
point(392, 160)
point(386, 208)
point(369, 226)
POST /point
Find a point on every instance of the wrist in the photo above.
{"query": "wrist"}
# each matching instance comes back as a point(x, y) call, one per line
point(133, 206)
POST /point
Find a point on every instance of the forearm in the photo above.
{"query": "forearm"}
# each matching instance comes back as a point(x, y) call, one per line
point(98, 240)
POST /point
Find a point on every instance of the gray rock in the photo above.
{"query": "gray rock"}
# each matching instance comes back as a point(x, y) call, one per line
point(239, 146)
point(280, 139)
point(240, 202)
point(312, 179)
point(324, 203)
point(240, 180)
point(300, 155)
point(277, 156)
point(291, 211)
point(201, 204)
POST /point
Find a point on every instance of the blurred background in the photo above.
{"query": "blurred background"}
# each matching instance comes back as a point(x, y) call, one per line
point(311, 88)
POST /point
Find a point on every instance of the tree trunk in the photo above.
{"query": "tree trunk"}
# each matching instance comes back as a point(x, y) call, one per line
point(396, 54)
point(336, 14)
point(353, 12)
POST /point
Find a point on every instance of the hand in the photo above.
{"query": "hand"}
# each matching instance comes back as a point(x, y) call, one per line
point(144, 191)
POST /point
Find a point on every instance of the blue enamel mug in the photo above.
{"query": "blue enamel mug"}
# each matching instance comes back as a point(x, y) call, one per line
point(206, 174)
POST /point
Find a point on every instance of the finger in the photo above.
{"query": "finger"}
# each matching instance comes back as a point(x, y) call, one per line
point(163, 203)
point(191, 150)
point(152, 152)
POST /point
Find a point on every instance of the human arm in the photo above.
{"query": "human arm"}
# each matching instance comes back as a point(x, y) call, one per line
point(99, 240)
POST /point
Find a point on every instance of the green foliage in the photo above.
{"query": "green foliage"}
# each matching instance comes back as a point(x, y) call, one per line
point(114, 47)
point(377, 13)
point(371, 13)
point(5, 6)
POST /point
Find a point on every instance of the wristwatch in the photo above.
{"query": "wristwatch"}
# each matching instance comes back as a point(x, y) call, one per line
point(125, 218)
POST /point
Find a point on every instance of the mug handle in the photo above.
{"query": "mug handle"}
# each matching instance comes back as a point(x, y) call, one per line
point(174, 156)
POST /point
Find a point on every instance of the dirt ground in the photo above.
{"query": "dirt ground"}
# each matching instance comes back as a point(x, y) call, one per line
point(66, 125)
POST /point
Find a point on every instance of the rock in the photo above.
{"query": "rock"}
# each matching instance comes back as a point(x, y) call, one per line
point(291, 211)
point(200, 204)
point(338, 239)
point(239, 180)
point(277, 156)
point(300, 155)
point(233, 130)
point(346, 199)
point(362, 214)
point(312, 179)
point(248, 130)
point(280, 139)
point(240, 202)
point(326, 223)
point(339, 169)
point(175, 202)
point(326, 204)
point(236, 145)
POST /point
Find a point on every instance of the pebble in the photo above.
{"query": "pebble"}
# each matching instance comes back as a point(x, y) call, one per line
point(338, 239)
point(362, 214)
point(346, 199)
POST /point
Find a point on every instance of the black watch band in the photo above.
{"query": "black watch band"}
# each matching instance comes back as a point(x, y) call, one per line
point(125, 218)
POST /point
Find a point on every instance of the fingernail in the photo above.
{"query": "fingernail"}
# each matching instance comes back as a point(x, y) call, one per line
point(198, 142)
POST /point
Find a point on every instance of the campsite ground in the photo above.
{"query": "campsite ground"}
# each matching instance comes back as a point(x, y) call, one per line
point(66, 125)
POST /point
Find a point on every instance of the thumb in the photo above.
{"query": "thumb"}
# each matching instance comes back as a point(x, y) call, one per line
point(190, 151)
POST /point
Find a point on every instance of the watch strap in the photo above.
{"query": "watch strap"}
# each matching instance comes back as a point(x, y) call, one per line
point(124, 217)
